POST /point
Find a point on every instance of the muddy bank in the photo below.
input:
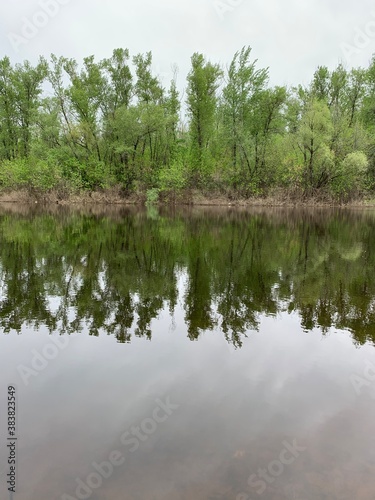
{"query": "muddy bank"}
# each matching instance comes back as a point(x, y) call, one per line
point(104, 197)
point(116, 196)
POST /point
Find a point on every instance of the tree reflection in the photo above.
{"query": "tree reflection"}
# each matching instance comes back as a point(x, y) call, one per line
point(116, 274)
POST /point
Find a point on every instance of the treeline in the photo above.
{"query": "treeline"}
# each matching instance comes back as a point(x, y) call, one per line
point(112, 123)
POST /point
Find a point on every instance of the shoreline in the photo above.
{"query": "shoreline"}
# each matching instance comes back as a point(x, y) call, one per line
point(114, 197)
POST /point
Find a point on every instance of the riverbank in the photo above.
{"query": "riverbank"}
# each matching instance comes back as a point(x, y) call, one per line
point(116, 196)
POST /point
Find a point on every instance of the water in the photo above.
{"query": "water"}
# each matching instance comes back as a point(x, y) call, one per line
point(189, 354)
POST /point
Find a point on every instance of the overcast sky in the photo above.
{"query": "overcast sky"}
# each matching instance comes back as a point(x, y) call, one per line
point(291, 37)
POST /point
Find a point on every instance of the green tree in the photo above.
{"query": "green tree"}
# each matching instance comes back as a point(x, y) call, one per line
point(203, 83)
point(243, 87)
point(314, 137)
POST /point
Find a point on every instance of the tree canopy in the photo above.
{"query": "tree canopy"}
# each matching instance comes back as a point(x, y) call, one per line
point(112, 122)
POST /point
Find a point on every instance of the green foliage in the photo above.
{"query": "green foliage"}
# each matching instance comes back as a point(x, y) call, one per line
point(14, 173)
point(246, 119)
point(94, 175)
point(112, 122)
point(43, 176)
point(350, 175)
point(152, 196)
point(173, 178)
point(203, 83)
point(313, 138)
point(29, 173)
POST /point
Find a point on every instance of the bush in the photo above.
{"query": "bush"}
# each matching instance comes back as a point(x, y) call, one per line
point(173, 178)
point(30, 173)
point(14, 174)
point(94, 174)
point(152, 196)
point(350, 175)
point(43, 176)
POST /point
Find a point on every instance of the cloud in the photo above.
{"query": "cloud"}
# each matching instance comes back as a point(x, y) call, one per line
point(292, 38)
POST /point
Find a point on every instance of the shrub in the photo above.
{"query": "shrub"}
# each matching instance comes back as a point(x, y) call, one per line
point(14, 174)
point(350, 175)
point(152, 196)
point(174, 177)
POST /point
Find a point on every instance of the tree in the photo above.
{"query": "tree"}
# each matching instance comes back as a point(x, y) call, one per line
point(20, 88)
point(8, 111)
point(203, 83)
point(244, 83)
point(320, 86)
point(355, 92)
point(148, 89)
point(119, 86)
point(313, 138)
point(267, 120)
point(86, 94)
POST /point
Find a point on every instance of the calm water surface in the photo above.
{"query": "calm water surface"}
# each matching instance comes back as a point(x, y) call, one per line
point(208, 354)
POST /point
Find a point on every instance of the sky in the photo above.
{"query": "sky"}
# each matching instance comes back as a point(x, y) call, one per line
point(292, 38)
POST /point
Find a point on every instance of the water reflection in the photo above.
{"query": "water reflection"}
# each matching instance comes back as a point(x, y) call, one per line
point(177, 277)
point(117, 271)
